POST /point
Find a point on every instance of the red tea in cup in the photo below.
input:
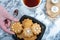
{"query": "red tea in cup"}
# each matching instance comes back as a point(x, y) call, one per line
point(31, 3)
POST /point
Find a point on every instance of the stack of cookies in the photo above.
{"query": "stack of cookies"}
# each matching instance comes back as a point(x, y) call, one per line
point(53, 8)
point(26, 30)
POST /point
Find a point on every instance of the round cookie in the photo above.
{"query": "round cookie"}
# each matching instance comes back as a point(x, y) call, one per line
point(27, 23)
point(16, 27)
point(27, 32)
point(36, 28)
point(31, 38)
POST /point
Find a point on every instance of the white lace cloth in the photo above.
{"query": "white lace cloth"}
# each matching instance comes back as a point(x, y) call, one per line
point(52, 26)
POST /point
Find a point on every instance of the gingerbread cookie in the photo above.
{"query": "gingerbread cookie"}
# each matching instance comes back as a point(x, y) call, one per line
point(36, 28)
point(16, 27)
point(27, 23)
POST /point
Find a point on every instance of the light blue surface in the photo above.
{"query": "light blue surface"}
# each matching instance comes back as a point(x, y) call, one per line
point(52, 26)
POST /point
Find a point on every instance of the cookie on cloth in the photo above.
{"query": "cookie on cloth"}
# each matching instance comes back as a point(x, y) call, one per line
point(27, 23)
point(36, 29)
point(53, 12)
point(52, 8)
point(16, 27)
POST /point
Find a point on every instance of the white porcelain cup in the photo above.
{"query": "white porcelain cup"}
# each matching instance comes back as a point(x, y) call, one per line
point(31, 7)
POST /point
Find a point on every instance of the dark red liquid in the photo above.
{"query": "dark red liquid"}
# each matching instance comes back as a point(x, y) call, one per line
point(31, 3)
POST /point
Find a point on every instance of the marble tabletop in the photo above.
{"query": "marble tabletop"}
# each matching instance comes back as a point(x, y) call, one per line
point(52, 31)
